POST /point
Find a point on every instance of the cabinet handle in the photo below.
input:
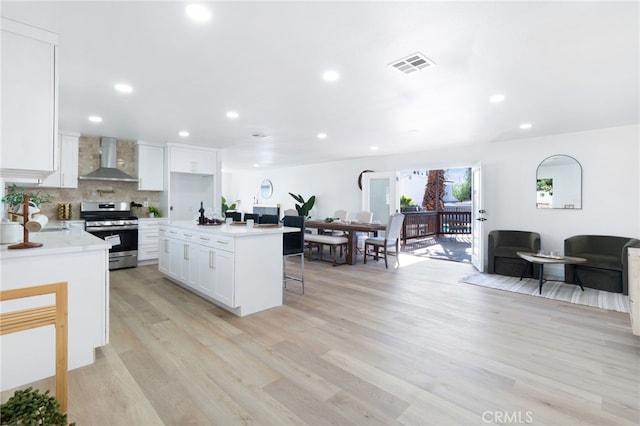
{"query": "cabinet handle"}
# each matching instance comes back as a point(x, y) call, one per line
point(62, 179)
point(222, 242)
point(166, 246)
point(205, 239)
point(211, 260)
point(185, 256)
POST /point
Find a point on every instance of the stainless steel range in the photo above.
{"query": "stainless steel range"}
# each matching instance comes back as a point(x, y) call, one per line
point(113, 222)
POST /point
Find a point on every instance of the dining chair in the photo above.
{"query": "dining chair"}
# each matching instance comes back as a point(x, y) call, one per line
point(293, 245)
point(251, 216)
point(362, 217)
point(390, 239)
point(291, 212)
point(236, 216)
point(269, 218)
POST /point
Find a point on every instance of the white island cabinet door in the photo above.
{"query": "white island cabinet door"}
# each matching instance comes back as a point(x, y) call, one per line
point(29, 101)
point(224, 285)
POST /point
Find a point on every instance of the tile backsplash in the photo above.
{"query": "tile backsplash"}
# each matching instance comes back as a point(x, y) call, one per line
point(89, 190)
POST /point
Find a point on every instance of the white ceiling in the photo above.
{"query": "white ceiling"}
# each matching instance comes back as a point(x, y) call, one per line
point(563, 67)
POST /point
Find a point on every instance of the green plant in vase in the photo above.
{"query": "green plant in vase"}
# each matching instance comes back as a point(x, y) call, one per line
point(304, 207)
point(226, 207)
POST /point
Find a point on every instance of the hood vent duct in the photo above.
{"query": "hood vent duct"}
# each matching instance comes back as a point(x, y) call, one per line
point(108, 164)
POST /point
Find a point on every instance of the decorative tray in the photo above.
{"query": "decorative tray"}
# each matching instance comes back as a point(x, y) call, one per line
point(210, 224)
point(267, 225)
point(238, 223)
point(547, 256)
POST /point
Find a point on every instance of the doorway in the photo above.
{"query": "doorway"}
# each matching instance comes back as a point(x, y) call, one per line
point(438, 213)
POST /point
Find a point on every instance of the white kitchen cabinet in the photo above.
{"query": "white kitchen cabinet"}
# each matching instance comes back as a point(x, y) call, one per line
point(150, 167)
point(81, 260)
point(67, 174)
point(215, 261)
point(148, 239)
point(29, 101)
point(634, 289)
point(192, 159)
point(238, 268)
point(186, 188)
point(164, 250)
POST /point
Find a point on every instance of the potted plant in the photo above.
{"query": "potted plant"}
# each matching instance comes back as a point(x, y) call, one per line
point(226, 207)
point(153, 212)
point(304, 207)
point(14, 198)
point(30, 407)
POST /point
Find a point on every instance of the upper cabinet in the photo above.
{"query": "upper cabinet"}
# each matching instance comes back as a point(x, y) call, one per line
point(191, 159)
point(29, 101)
point(150, 167)
point(67, 174)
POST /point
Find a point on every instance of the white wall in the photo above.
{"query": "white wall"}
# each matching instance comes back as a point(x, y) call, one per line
point(610, 160)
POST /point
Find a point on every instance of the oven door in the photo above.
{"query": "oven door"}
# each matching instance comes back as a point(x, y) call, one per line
point(124, 246)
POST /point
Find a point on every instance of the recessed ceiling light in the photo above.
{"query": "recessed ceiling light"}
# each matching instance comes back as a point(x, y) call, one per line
point(232, 114)
point(123, 88)
point(256, 165)
point(525, 126)
point(374, 148)
point(496, 98)
point(330, 75)
point(184, 134)
point(198, 12)
point(95, 119)
point(322, 135)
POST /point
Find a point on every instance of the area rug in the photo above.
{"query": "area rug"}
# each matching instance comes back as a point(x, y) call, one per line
point(552, 290)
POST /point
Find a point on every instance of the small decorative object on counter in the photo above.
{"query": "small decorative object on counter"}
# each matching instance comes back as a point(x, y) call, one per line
point(64, 211)
point(153, 212)
point(201, 219)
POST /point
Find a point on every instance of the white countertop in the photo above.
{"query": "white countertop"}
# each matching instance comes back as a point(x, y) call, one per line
point(231, 230)
point(55, 242)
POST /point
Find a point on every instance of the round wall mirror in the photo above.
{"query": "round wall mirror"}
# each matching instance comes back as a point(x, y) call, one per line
point(266, 189)
point(559, 183)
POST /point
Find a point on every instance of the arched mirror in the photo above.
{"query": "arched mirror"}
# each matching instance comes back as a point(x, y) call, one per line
point(266, 189)
point(559, 183)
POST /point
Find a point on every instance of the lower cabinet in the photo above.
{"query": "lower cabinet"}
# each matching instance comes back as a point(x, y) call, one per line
point(148, 240)
point(215, 274)
point(634, 289)
point(241, 274)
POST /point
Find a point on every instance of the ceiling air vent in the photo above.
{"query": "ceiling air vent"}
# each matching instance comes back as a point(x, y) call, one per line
point(412, 63)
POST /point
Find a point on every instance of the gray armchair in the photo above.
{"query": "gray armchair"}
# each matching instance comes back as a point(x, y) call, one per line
point(502, 249)
point(607, 263)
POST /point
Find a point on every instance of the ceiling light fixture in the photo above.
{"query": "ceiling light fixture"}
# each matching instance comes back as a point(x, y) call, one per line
point(184, 134)
point(525, 126)
point(95, 119)
point(123, 88)
point(322, 135)
point(256, 165)
point(232, 114)
point(198, 12)
point(374, 148)
point(496, 98)
point(331, 76)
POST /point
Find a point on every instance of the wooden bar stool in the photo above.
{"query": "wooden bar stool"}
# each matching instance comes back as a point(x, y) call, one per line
point(56, 315)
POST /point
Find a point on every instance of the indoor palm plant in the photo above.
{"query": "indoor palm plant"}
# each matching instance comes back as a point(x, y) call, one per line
point(304, 207)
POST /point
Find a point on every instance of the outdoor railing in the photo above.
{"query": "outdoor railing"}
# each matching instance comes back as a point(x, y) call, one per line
point(424, 224)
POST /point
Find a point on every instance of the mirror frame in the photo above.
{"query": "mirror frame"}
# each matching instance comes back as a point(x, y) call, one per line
point(579, 183)
point(266, 189)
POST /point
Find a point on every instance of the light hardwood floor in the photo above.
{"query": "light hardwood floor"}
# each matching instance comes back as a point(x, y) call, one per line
point(364, 345)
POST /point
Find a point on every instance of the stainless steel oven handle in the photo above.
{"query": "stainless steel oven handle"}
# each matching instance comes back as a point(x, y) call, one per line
point(111, 228)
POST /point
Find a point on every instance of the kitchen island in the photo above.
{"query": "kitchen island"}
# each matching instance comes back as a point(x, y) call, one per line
point(234, 266)
point(81, 260)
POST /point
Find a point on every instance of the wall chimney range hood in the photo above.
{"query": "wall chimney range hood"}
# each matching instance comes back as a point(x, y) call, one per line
point(108, 164)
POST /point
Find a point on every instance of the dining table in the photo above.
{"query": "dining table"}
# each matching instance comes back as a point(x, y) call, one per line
point(351, 229)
